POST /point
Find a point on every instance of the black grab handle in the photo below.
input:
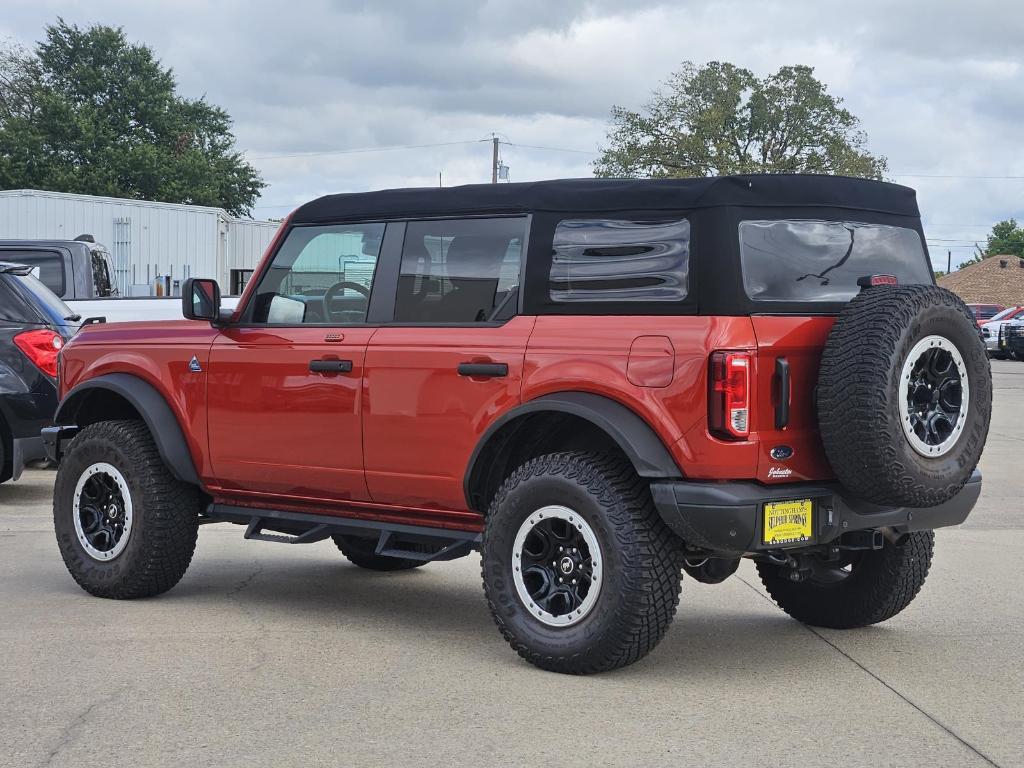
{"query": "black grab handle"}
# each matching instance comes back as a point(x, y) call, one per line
point(492, 370)
point(782, 392)
point(330, 366)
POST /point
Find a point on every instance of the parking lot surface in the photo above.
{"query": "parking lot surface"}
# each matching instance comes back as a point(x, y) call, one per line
point(270, 655)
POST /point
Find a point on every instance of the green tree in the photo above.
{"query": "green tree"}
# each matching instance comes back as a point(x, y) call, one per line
point(1007, 239)
point(721, 119)
point(91, 112)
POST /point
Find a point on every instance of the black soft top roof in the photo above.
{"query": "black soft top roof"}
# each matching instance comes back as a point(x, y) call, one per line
point(597, 195)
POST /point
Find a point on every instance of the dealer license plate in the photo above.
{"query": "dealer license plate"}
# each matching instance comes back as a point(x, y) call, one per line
point(788, 522)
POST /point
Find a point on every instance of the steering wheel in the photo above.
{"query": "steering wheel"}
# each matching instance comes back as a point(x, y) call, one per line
point(334, 290)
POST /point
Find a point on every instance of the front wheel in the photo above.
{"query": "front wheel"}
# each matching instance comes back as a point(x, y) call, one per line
point(581, 574)
point(125, 526)
point(864, 588)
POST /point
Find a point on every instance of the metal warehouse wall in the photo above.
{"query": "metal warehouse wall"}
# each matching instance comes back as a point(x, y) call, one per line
point(146, 239)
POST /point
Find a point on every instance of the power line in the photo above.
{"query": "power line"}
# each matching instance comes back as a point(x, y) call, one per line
point(551, 149)
point(363, 150)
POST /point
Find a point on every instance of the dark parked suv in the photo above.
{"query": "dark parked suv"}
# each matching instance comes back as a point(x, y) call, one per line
point(598, 384)
point(34, 324)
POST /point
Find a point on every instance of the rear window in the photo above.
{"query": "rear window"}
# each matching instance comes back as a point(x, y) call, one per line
point(615, 260)
point(812, 260)
point(45, 298)
point(50, 264)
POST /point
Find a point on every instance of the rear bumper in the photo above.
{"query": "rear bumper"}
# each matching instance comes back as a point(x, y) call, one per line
point(726, 518)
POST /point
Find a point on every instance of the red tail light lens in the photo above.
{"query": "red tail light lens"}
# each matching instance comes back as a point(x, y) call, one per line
point(729, 398)
point(42, 348)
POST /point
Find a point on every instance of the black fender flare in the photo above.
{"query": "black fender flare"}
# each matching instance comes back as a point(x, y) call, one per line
point(636, 438)
point(155, 412)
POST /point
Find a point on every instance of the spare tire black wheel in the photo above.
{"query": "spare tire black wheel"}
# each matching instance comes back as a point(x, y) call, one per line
point(904, 395)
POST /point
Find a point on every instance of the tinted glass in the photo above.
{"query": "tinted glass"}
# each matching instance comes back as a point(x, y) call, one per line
point(320, 275)
point(12, 308)
point(614, 260)
point(458, 271)
point(50, 264)
point(45, 299)
point(811, 260)
point(102, 279)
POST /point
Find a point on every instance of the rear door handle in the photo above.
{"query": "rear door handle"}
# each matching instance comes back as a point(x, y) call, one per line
point(483, 370)
point(330, 366)
point(782, 393)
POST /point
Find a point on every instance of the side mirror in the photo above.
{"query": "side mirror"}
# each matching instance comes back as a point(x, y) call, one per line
point(200, 300)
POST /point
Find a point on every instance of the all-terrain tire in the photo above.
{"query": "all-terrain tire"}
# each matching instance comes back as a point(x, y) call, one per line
point(165, 520)
point(639, 591)
point(858, 395)
point(881, 583)
point(360, 551)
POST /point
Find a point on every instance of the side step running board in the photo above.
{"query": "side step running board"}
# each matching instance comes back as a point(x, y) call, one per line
point(255, 531)
point(411, 542)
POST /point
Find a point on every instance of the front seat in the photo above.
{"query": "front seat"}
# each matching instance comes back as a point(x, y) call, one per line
point(473, 268)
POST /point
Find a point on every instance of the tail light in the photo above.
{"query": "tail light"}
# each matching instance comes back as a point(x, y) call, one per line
point(41, 347)
point(729, 398)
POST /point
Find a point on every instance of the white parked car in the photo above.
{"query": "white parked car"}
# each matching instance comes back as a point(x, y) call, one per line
point(990, 329)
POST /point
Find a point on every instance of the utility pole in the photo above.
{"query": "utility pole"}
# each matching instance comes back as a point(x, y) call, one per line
point(494, 160)
point(949, 261)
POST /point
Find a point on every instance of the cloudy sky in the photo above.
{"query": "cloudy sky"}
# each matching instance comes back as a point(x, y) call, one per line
point(938, 85)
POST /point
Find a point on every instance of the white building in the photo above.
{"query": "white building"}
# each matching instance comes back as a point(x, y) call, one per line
point(146, 239)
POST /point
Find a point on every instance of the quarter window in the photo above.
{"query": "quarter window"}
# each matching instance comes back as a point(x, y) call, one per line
point(614, 260)
point(320, 275)
point(459, 271)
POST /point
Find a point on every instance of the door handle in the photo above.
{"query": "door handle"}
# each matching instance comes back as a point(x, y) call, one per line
point(483, 370)
point(330, 366)
point(783, 392)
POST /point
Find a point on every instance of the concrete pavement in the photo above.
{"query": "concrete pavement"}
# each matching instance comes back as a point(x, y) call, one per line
point(267, 655)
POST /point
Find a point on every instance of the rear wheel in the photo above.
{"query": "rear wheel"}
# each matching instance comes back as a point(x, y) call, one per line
point(864, 588)
point(581, 574)
point(125, 526)
point(362, 552)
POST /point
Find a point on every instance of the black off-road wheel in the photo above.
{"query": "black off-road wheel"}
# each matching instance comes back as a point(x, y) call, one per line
point(125, 526)
point(361, 552)
point(581, 574)
point(904, 395)
point(864, 588)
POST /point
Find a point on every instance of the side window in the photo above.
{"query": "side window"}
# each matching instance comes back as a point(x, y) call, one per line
point(459, 270)
point(12, 307)
point(320, 275)
point(101, 277)
point(611, 260)
point(49, 263)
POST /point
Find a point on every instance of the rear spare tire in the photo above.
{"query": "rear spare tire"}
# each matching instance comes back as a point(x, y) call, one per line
point(904, 395)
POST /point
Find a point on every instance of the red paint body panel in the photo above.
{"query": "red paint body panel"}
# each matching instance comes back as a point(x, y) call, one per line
point(800, 340)
point(391, 440)
point(277, 428)
point(157, 352)
point(421, 419)
point(591, 354)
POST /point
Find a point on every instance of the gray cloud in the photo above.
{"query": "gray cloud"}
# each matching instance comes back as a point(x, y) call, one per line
point(939, 90)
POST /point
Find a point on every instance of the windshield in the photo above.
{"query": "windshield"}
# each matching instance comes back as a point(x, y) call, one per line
point(1006, 313)
point(53, 306)
point(821, 261)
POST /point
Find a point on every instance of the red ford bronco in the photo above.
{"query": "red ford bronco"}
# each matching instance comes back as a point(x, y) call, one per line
point(597, 383)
